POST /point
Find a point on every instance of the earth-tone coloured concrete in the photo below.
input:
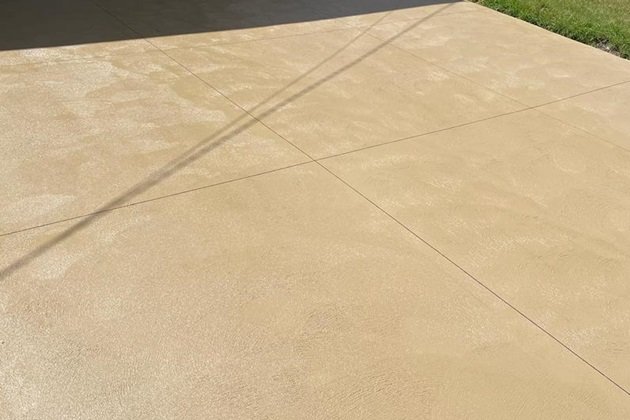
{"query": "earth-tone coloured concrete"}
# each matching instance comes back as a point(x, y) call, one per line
point(605, 113)
point(367, 93)
point(335, 209)
point(536, 209)
point(508, 55)
point(282, 296)
point(118, 127)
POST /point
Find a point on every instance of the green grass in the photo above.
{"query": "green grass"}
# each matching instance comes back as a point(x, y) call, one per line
point(601, 23)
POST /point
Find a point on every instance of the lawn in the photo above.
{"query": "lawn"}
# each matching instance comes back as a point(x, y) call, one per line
point(601, 23)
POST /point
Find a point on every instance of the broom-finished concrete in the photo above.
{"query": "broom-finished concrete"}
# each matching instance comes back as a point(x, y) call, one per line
point(408, 212)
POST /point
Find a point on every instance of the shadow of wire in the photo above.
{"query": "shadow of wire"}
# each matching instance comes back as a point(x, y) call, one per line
point(205, 146)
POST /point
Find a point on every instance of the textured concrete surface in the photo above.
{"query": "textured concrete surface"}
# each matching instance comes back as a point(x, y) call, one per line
point(356, 209)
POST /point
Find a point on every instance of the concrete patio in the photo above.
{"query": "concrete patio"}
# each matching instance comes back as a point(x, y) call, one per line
point(338, 209)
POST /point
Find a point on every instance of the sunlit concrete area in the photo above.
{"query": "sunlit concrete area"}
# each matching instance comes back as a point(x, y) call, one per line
point(268, 209)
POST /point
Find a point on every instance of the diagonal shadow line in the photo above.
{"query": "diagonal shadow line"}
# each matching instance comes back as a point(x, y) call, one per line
point(210, 143)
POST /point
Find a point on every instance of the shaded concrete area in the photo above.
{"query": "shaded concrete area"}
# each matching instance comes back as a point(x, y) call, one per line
point(271, 209)
point(40, 23)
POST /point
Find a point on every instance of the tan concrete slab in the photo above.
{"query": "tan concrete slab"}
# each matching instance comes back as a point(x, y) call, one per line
point(258, 75)
point(536, 210)
point(361, 92)
point(605, 113)
point(280, 296)
point(287, 294)
point(77, 135)
point(515, 58)
point(75, 52)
